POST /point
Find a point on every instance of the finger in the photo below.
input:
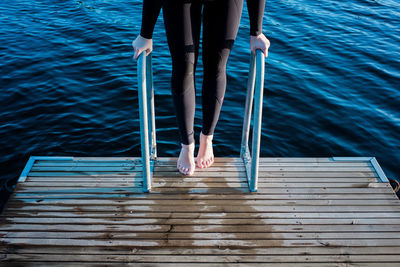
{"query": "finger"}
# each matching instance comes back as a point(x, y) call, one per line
point(265, 52)
point(137, 53)
point(141, 51)
point(134, 52)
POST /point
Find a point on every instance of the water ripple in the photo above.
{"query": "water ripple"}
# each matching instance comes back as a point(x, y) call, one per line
point(69, 85)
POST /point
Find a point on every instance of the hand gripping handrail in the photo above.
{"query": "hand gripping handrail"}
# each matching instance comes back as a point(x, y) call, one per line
point(147, 118)
point(256, 79)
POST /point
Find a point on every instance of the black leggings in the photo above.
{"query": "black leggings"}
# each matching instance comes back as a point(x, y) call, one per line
point(183, 25)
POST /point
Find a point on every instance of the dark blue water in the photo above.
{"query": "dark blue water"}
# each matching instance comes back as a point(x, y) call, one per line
point(68, 83)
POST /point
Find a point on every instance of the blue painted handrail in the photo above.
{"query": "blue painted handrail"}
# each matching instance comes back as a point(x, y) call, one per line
point(147, 118)
point(256, 81)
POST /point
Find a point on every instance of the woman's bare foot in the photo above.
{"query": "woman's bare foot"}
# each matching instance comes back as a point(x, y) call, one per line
point(205, 156)
point(185, 162)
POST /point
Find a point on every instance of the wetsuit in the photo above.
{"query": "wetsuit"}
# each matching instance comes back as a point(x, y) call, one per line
point(182, 20)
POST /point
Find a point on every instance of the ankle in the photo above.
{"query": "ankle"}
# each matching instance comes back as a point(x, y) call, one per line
point(207, 138)
point(188, 147)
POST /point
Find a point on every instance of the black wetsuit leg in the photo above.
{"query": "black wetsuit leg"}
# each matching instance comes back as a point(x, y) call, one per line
point(183, 23)
point(221, 20)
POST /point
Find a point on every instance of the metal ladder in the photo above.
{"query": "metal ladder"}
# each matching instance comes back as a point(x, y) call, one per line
point(255, 88)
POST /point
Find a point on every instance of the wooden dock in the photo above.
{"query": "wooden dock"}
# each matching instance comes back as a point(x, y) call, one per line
point(307, 212)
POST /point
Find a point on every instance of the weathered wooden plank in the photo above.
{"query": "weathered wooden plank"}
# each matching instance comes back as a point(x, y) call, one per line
point(204, 258)
point(207, 208)
point(133, 168)
point(270, 185)
point(285, 169)
point(231, 174)
point(219, 164)
point(197, 215)
point(104, 179)
point(101, 169)
point(210, 228)
point(209, 251)
point(126, 192)
point(267, 159)
point(203, 202)
point(270, 174)
point(217, 159)
point(302, 190)
point(381, 188)
point(191, 264)
point(66, 186)
point(200, 236)
point(24, 187)
point(201, 243)
point(221, 221)
point(288, 196)
point(88, 173)
point(72, 185)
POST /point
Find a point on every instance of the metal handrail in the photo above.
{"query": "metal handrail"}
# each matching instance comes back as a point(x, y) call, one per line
point(256, 80)
point(147, 118)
